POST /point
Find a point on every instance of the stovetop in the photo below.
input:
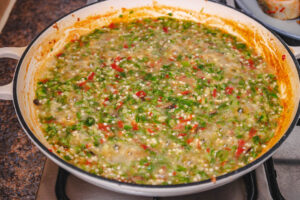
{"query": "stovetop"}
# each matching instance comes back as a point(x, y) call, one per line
point(277, 178)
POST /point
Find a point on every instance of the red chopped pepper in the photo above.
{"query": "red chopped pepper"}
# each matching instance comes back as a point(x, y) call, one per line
point(152, 64)
point(195, 126)
point(179, 126)
point(120, 105)
point(269, 88)
point(111, 26)
point(103, 65)
point(118, 58)
point(214, 94)
point(208, 150)
point(108, 134)
point(185, 92)
point(116, 67)
point(59, 54)
point(149, 130)
point(271, 12)
point(199, 145)
point(229, 90)
point(87, 162)
point(144, 146)
point(134, 126)
point(227, 149)
point(213, 179)
point(81, 43)
point(182, 134)
point(165, 29)
point(125, 46)
point(101, 141)
point(91, 76)
point(129, 58)
point(120, 133)
point(190, 140)
point(283, 57)
point(282, 9)
point(82, 83)
point(252, 132)
point(103, 127)
point(59, 92)
point(251, 64)
point(120, 124)
point(49, 121)
point(105, 100)
point(44, 81)
point(141, 94)
point(86, 88)
point(240, 149)
point(74, 40)
point(182, 120)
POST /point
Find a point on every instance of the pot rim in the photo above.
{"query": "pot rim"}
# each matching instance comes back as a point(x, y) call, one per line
point(53, 156)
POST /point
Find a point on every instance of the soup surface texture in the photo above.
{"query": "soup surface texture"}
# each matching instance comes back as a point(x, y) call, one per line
point(157, 101)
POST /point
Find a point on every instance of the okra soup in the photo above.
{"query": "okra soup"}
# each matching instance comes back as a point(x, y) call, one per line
point(157, 101)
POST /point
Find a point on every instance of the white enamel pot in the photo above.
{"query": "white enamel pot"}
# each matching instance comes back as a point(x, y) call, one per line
point(21, 89)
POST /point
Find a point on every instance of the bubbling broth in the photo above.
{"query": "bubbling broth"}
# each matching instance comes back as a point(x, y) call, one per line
point(158, 101)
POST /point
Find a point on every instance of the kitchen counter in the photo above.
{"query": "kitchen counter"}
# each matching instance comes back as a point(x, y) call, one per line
point(21, 163)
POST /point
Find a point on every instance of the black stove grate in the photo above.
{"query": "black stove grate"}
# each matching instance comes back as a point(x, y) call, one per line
point(60, 186)
point(271, 176)
point(251, 185)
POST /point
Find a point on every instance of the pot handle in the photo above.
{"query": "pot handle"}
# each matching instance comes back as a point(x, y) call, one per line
point(14, 53)
point(296, 51)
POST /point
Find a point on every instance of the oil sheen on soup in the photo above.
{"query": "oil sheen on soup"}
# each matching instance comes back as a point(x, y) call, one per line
point(157, 101)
